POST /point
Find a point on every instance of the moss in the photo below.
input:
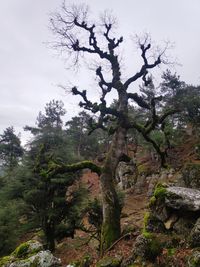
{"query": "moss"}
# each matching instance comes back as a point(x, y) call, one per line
point(152, 201)
point(5, 260)
point(146, 234)
point(160, 192)
point(155, 249)
point(146, 219)
point(64, 168)
point(154, 246)
point(21, 250)
point(26, 250)
point(152, 224)
point(109, 235)
point(171, 251)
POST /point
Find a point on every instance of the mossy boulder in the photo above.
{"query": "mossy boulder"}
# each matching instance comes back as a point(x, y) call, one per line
point(173, 207)
point(27, 249)
point(109, 262)
point(30, 254)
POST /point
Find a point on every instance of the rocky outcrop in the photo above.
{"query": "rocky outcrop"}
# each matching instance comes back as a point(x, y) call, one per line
point(175, 209)
point(126, 174)
point(146, 182)
point(30, 254)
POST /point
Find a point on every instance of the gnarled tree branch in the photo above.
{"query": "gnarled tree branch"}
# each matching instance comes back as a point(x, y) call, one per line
point(66, 168)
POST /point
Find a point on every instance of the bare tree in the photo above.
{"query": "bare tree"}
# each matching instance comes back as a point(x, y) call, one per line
point(78, 36)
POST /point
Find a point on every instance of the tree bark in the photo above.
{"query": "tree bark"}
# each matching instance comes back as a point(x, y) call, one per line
point(111, 209)
point(50, 236)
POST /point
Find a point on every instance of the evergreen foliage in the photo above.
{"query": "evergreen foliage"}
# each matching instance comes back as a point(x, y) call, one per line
point(10, 149)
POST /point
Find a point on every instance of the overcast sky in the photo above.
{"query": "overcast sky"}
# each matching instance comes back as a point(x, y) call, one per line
point(30, 71)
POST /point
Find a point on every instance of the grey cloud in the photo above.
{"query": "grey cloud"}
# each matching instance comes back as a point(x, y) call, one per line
point(29, 71)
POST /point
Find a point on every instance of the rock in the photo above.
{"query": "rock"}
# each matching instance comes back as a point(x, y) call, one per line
point(153, 224)
point(41, 259)
point(179, 180)
point(110, 262)
point(153, 180)
point(139, 186)
point(163, 177)
point(29, 247)
point(30, 254)
point(184, 225)
point(126, 174)
point(141, 246)
point(147, 247)
point(175, 208)
point(171, 221)
point(194, 238)
point(187, 199)
point(191, 175)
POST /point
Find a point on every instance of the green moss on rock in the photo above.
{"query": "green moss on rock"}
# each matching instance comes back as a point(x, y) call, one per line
point(171, 251)
point(152, 224)
point(6, 260)
point(22, 250)
point(160, 192)
point(27, 249)
point(152, 201)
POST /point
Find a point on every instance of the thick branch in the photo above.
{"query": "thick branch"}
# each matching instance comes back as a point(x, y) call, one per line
point(139, 100)
point(65, 168)
point(168, 113)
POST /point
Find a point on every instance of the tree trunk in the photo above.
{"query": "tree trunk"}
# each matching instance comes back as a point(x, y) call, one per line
point(50, 236)
point(111, 208)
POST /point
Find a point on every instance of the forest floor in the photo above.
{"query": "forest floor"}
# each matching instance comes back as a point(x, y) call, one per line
point(132, 221)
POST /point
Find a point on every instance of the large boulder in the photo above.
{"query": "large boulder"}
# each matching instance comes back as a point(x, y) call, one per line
point(180, 198)
point(175, 209)
point(30, 254)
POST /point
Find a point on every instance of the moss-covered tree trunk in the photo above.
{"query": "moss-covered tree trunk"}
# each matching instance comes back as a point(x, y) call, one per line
point(111, 208)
